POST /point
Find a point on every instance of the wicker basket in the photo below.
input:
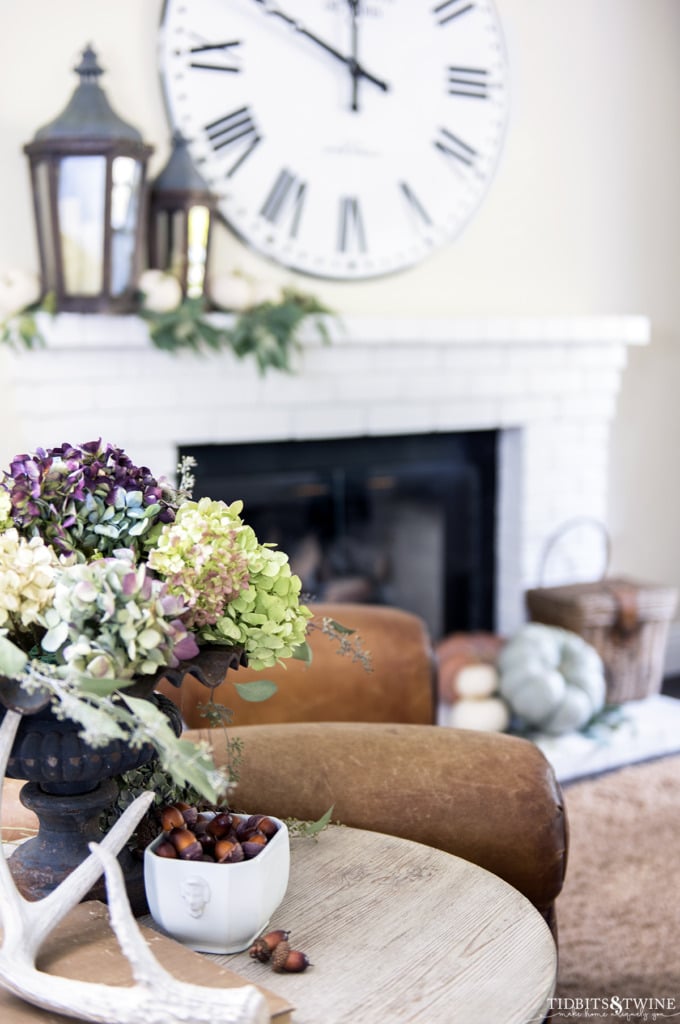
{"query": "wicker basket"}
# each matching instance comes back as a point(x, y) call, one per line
point(624, 620)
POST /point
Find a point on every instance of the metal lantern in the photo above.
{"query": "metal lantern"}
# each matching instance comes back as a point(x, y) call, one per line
point(88, 173)
point(181, 212)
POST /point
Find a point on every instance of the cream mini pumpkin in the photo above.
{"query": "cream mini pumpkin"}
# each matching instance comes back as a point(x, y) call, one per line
point(551, 678)
point(486, 714)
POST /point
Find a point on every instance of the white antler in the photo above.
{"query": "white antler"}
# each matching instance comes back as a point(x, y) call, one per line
point(156, 997)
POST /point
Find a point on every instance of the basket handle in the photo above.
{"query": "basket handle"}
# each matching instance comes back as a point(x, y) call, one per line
point(557, 535)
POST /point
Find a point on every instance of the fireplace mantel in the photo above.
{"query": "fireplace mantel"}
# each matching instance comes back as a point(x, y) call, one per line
point(74, 330)
point(549, 384)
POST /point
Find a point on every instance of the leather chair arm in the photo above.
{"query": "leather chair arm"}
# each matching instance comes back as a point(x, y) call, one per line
point(489, 798)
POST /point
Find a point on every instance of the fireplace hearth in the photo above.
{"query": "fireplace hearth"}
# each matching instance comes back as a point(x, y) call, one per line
point(405, 520)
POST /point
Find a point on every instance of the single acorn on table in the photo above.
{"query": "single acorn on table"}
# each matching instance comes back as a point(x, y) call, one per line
point(275, 948)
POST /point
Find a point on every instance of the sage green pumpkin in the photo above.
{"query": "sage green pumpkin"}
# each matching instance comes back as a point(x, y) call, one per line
point(551, 678)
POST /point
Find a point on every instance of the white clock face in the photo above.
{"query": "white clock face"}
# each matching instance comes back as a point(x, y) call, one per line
point(344, 138)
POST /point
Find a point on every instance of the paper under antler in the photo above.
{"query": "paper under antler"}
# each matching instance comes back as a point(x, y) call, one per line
point(156, 997)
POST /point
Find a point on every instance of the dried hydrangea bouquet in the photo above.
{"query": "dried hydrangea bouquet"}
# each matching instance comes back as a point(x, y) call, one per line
point(110, 579)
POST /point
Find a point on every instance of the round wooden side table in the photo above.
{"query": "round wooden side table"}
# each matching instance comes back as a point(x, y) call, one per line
point(399, 932)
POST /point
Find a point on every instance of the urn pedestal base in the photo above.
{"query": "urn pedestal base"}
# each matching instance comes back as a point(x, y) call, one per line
point(67, 824)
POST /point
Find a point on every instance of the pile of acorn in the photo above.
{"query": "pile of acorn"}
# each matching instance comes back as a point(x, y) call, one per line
point(221, 838)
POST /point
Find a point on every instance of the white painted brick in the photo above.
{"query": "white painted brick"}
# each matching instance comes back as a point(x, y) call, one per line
point(557, 381)
point(279, 389)
point(434, 385)
point(466, 359)
point(253, 424)
point(161, 458)
point(321, 421)
point(528, 358)
point(602, 380)
point(330, 359)
point(612, 357)
point(399, 418)
point(415, 357)
point(513, 412)
point(589, 405)
point(369, 388)
point(478, 414)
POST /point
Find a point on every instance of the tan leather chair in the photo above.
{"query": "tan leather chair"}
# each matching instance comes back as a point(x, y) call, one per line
point(365, 743)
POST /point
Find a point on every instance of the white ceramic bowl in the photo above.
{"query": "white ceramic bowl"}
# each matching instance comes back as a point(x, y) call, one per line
point(217, 908)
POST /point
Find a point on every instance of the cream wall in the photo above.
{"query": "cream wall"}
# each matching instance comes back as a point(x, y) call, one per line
point(583, 216)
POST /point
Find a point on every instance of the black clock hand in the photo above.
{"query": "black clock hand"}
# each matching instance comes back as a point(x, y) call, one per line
point(360, 71)
point(354, 65)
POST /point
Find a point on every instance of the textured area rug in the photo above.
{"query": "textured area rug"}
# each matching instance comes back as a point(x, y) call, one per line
point(619, 912)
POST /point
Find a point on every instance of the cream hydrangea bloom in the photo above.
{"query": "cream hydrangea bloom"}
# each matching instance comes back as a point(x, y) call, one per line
point(200, 558)
point(27, 574)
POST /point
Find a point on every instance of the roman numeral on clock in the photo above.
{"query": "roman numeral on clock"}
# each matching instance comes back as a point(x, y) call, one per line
point(471, 82)
point(450, 9)
point(228, 62)
point(351, 234)
point(415, 207)
point(286, 199)
point(235, 131)
point(454, 148)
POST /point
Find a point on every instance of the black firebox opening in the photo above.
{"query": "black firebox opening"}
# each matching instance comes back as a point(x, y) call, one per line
point(407, 521)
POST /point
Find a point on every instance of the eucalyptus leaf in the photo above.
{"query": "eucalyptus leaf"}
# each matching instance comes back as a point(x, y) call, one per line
point(339, 628)
point(303, 653)
point(190, 766)
point(99, 687)
point(309, 829)
point(257, 691)
point(12, 659)
point(323, 821)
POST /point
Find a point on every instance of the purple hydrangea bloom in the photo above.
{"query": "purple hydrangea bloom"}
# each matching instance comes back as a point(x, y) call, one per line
point(86, 498)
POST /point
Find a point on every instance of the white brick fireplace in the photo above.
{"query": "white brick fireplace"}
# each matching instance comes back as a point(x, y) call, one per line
point(549, 384)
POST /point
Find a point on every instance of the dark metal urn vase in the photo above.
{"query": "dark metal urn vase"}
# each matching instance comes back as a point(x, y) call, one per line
point(69, 787)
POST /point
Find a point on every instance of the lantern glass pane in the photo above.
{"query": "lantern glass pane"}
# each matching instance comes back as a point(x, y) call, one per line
point(176, 243)
point(197, 252)
point(44, 218)
point(81, 201)
point(126, 178)
point(160, 234)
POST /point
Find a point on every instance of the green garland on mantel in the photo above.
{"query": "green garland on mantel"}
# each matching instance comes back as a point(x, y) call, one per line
point(269, 332)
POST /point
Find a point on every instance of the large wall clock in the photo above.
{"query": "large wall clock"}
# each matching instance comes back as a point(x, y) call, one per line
point(344, 138)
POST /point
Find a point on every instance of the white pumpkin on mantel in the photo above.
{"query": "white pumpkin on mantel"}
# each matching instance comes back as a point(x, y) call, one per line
point(551, 678)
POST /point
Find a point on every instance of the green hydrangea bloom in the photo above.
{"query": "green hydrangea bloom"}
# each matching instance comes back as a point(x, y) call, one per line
point(5, 510)
point(240, 592)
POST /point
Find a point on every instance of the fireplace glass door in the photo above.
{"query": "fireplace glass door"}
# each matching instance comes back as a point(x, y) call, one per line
point(407, 521)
